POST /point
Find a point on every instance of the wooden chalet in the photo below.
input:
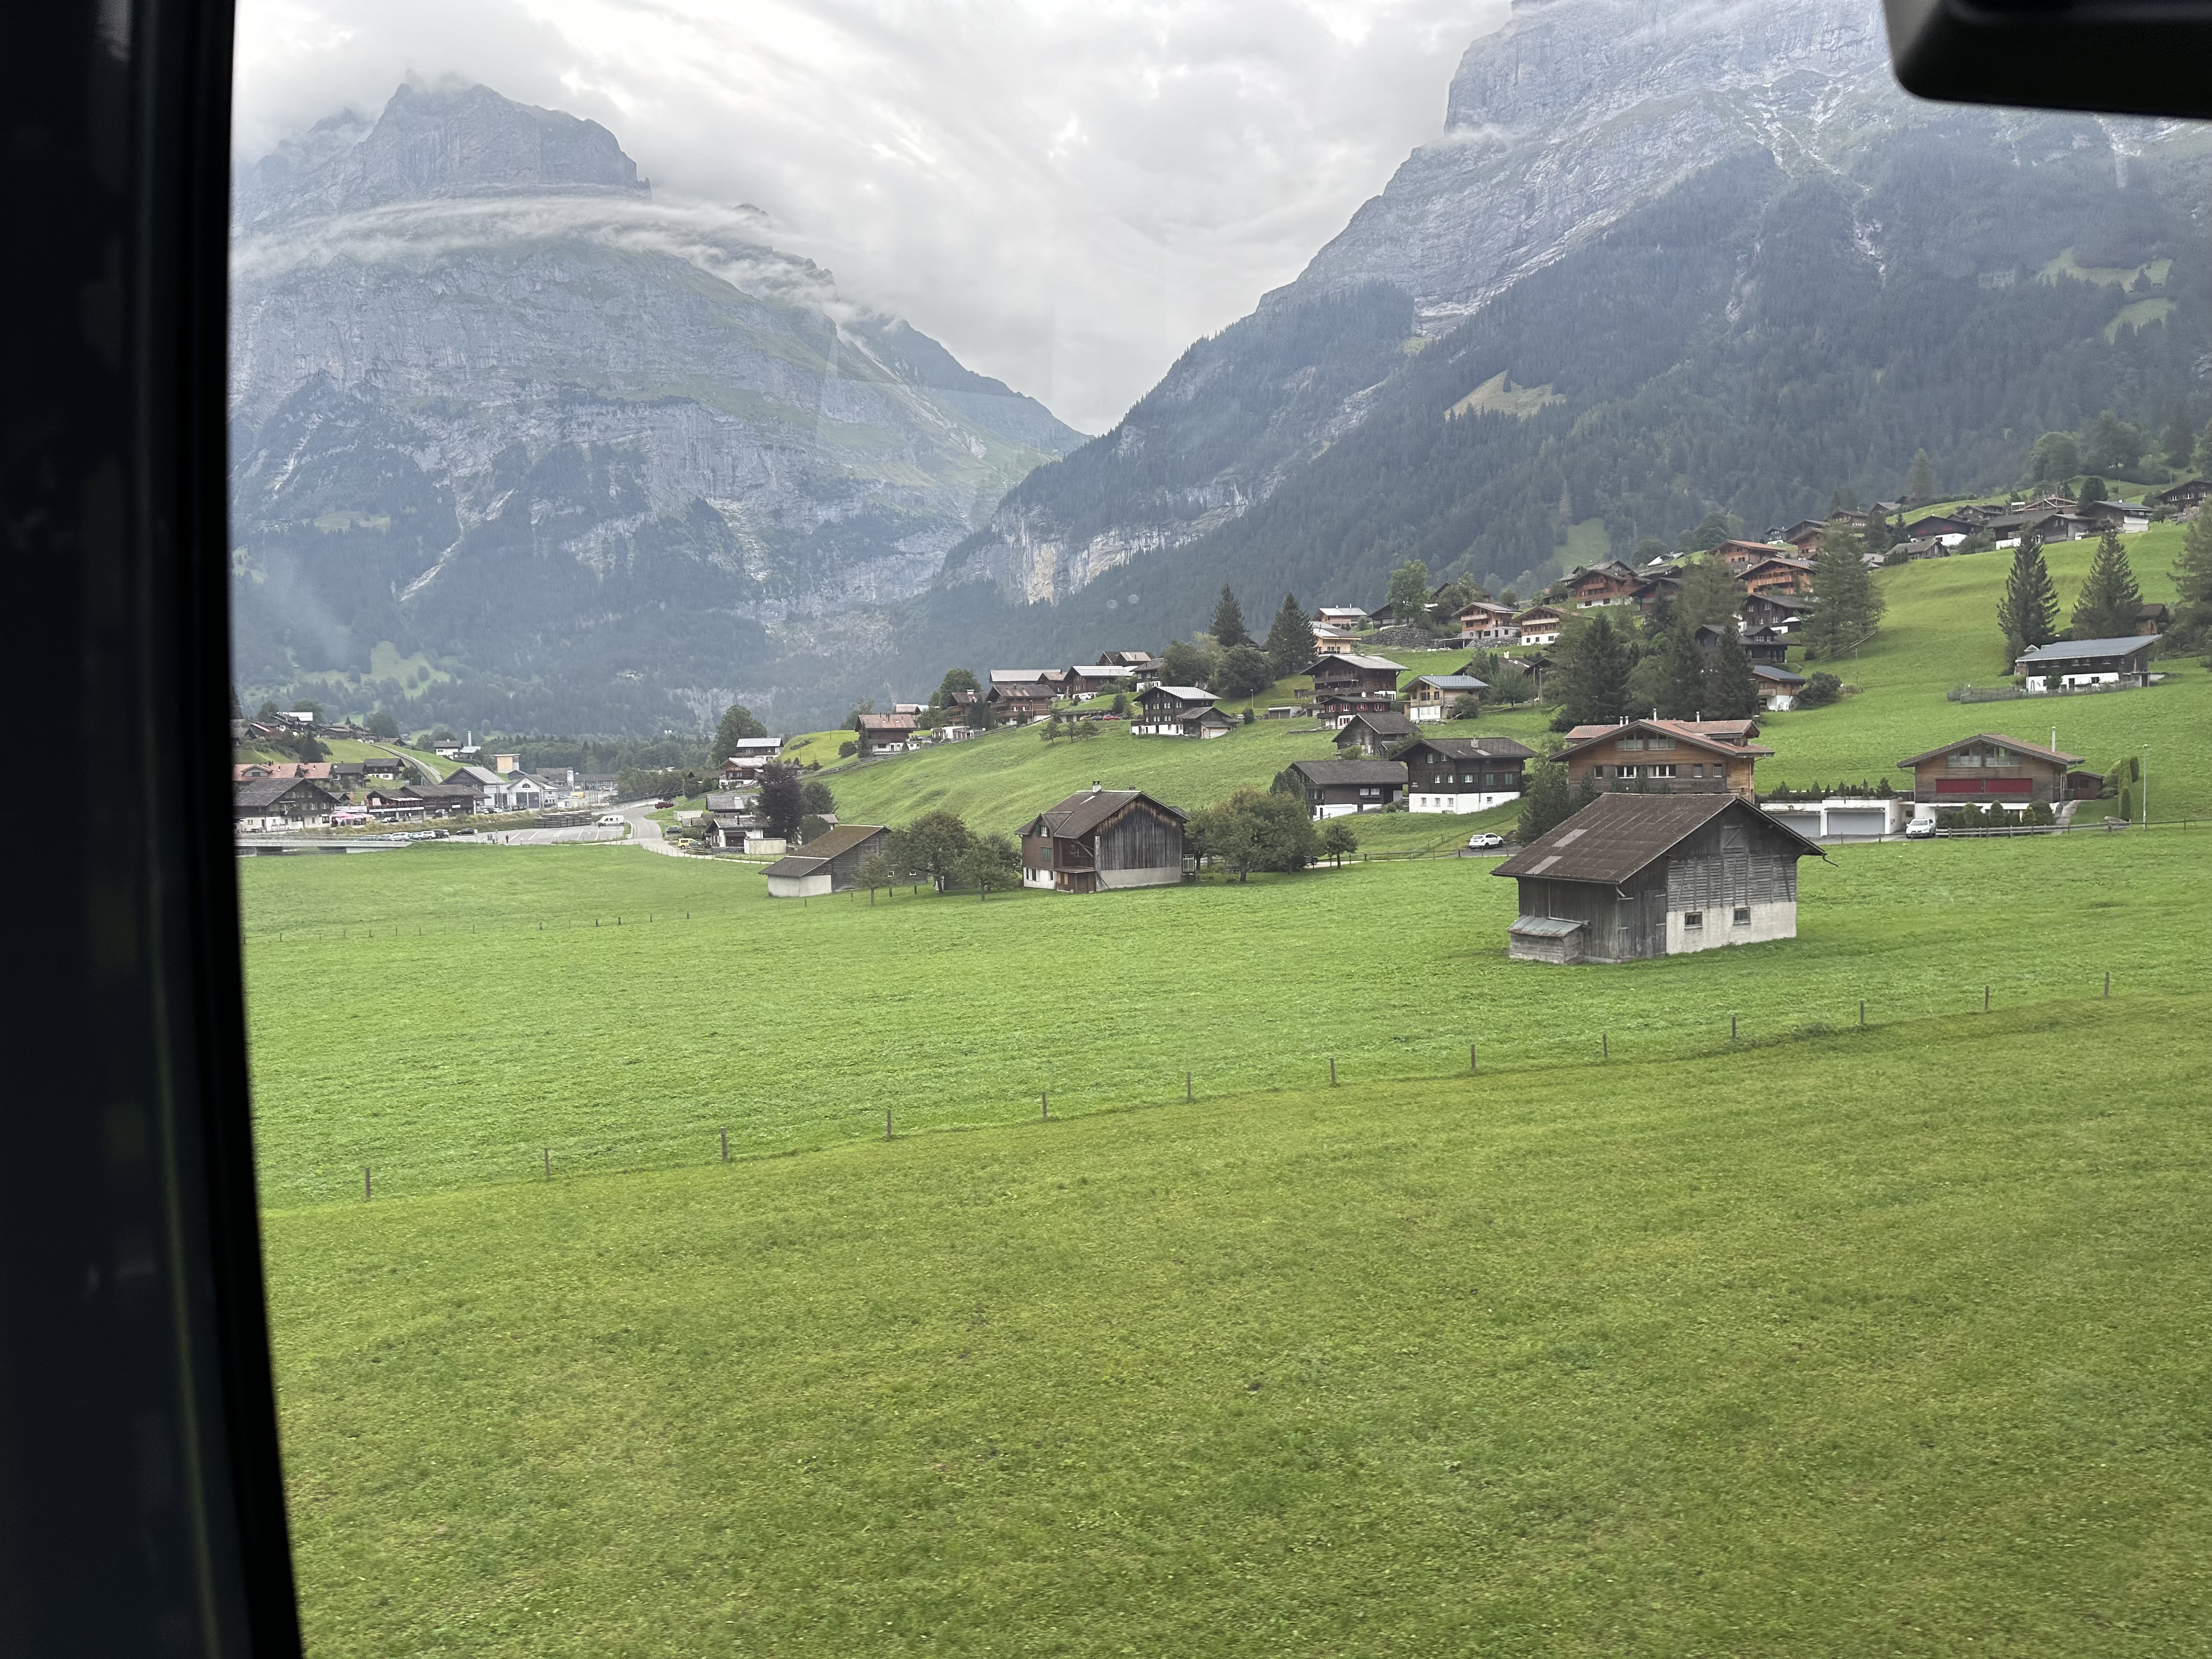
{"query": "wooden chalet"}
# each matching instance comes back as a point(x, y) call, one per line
point(1179, 711)
point(1666, 757)
point(1331, 641)
point(1373, 735)
point(259, 771)
point(752, 757)
point(1660, 586)
point(742, 832)
point(1485, 624)
point(1631, 877)
point(2069, 663)
point(2154, 618)
point(2044, 524)
point(1095, 679)
point(1740, 555)
point(385, 766)
point(1463, 775)
point(1804, 535)
point(1104, 839)
point(1778, 613)
point(1354, 672)
point(281, 802)
point(1778, 575)
point(1779, 688)
point(1989, 766)
point(1609, 583)
point(886, 734)
point(1938, 524)
point(1027, 700)
point(1338, 788)
point(1539, 625)
point(830, 864)
point(1762, 646)
point(2185, 497)
point(1430, 696)
point(1344, 617)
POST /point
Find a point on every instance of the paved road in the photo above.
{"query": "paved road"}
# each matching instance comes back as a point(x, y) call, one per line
point(644, 831)
point(554, 837)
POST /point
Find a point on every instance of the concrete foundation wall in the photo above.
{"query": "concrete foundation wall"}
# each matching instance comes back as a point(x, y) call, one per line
point(1774, 919)
point(814, 886)
point(1468, 802)
point(1159, 875)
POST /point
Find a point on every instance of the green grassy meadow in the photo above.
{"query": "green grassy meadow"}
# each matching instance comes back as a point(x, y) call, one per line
point(1889, 1344)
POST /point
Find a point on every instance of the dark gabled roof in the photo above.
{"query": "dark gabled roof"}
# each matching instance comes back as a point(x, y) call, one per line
point(1698, 734)
point(267, 791)
point(1350, 771)
point(1381, 725)
point(1080, 814)
point(1452, 682)
point(1617, 836)
point(2067, 650)
point(843, 839)
point(442, 791)
point(1767, 671)
point(1350, 660)
point(1469, 748)
point(883, 722)
point(1183, 693)
point(2034, 749)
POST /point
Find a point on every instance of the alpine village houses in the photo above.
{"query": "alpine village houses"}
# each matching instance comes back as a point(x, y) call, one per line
point(1179, 711)
point(1338, 788)
point(1989, 766)
point(1103, 839)
point(1636, 876)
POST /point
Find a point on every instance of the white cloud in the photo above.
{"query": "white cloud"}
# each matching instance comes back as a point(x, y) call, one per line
point(1067, 193)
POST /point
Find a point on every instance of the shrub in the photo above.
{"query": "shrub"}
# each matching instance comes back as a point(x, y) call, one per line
point(1820, 690)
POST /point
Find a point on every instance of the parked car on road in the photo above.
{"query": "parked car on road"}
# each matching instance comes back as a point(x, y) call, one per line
point(662, 805)
point(1920, 829)
point(1484, 839)
point(611, 820)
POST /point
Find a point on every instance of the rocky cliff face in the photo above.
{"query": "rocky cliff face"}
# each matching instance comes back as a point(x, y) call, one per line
point(513, 446)
point(1807, 254)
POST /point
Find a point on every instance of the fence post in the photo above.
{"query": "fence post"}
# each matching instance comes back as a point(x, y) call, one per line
point(1731, 1028)
point(548, 1164)
point(1471, 1067)
point(368, 1191)
point(1985, 999)
point(1604, 1045)
point(726, 1146)
point(1862, 1013)
point(1187, 1094)
point(1332, 1071)
point(2108, 985)
point(1044, 1102)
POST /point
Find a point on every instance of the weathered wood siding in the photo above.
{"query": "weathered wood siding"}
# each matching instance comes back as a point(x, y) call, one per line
point(1140, 838)
point(1618, 928)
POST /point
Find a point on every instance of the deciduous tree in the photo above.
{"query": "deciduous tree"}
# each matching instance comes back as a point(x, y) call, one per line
point(738, 722)
point(991, 865)
point(1244, 671)
point(816, 797)
point(932, 847)
point(2179, 443)
point(782, 799)
point(2056, 457)
point(1409, 592)
point(1710, 596)
point(1338, 840)
point(1183, 663)
point(1256, 830)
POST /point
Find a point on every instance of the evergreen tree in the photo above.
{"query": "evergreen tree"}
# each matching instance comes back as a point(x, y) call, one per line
point(2179, 442)
point(2193, 577)
point(1731, 689)
point(1846, 605)
point(2111, 605)
point(1591, 684)
point(2203, 456)
point(739, 722)
point(1714, 529)
point(2028, 613)
point(1681, 678)
point(1544, 801)
point(1920, 480)
point(1229, 621)
point(1290, 645)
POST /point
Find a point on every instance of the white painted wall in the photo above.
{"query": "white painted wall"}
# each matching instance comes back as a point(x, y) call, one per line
point(1164, 875)
point(1776, 919)
point(1470, 802)
point(814, 886)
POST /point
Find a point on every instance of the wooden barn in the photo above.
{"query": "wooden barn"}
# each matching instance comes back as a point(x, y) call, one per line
point(830, 864)
point(1636, 876)
point(1103, 839)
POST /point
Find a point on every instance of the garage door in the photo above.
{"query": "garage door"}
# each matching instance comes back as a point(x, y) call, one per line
point(1866, 822)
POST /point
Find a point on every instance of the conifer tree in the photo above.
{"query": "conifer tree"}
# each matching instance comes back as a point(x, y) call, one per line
point(2028, 613)
point(2111, 605)
point(1543, 803)
point(1920, 480)
point(1229, 621)
point(1681, 677)
point(1846, 605)
point(2203, 456)
point(1731, 689)
point(2180, 442)
point(1290, 645)
point(1710, 596)
point(2193, 577)
point(1591, 682)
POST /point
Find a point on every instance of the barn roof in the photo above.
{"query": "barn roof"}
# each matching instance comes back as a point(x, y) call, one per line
point(1472, 748)
point(2035, 749)
point(1351, 660)
point(267, 791)
point(843, 839)
point(1453, 682)
point(1184, 693)
point(1616, 836)
point(1079, 814)
point(796, 864)
point(1383, 725)
point(1350, 771)
point(2067, 650)
point(1767, 671)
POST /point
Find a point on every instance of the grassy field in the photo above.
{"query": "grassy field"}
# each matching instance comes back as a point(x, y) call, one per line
point(1889, 1344)
point(447, 1012)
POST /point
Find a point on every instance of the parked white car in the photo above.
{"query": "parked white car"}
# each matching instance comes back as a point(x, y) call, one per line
point(1920, 829)
point(1485, 840)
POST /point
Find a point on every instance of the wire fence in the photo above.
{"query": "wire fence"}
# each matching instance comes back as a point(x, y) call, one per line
point(747, 1126)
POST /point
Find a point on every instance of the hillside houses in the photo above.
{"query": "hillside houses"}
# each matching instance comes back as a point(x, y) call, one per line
point(1430, 696)
point(1336, 788)
point(1373, 735)
point(1104, 839)
point(269, 804)
point(1179, 711)
point(883, 734)
point(1989, 766)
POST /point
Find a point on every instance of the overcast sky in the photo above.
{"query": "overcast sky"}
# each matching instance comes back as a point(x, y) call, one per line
point(1067, 193)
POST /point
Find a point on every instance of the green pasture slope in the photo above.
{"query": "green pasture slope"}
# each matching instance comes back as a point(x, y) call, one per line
point(1890, 1344)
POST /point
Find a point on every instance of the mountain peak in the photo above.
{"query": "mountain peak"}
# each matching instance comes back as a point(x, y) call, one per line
point(432, 143)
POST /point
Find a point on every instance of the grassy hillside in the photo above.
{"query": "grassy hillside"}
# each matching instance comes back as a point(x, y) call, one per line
point(446, 1012)
point(1881, 1344)
point(1941, 632)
